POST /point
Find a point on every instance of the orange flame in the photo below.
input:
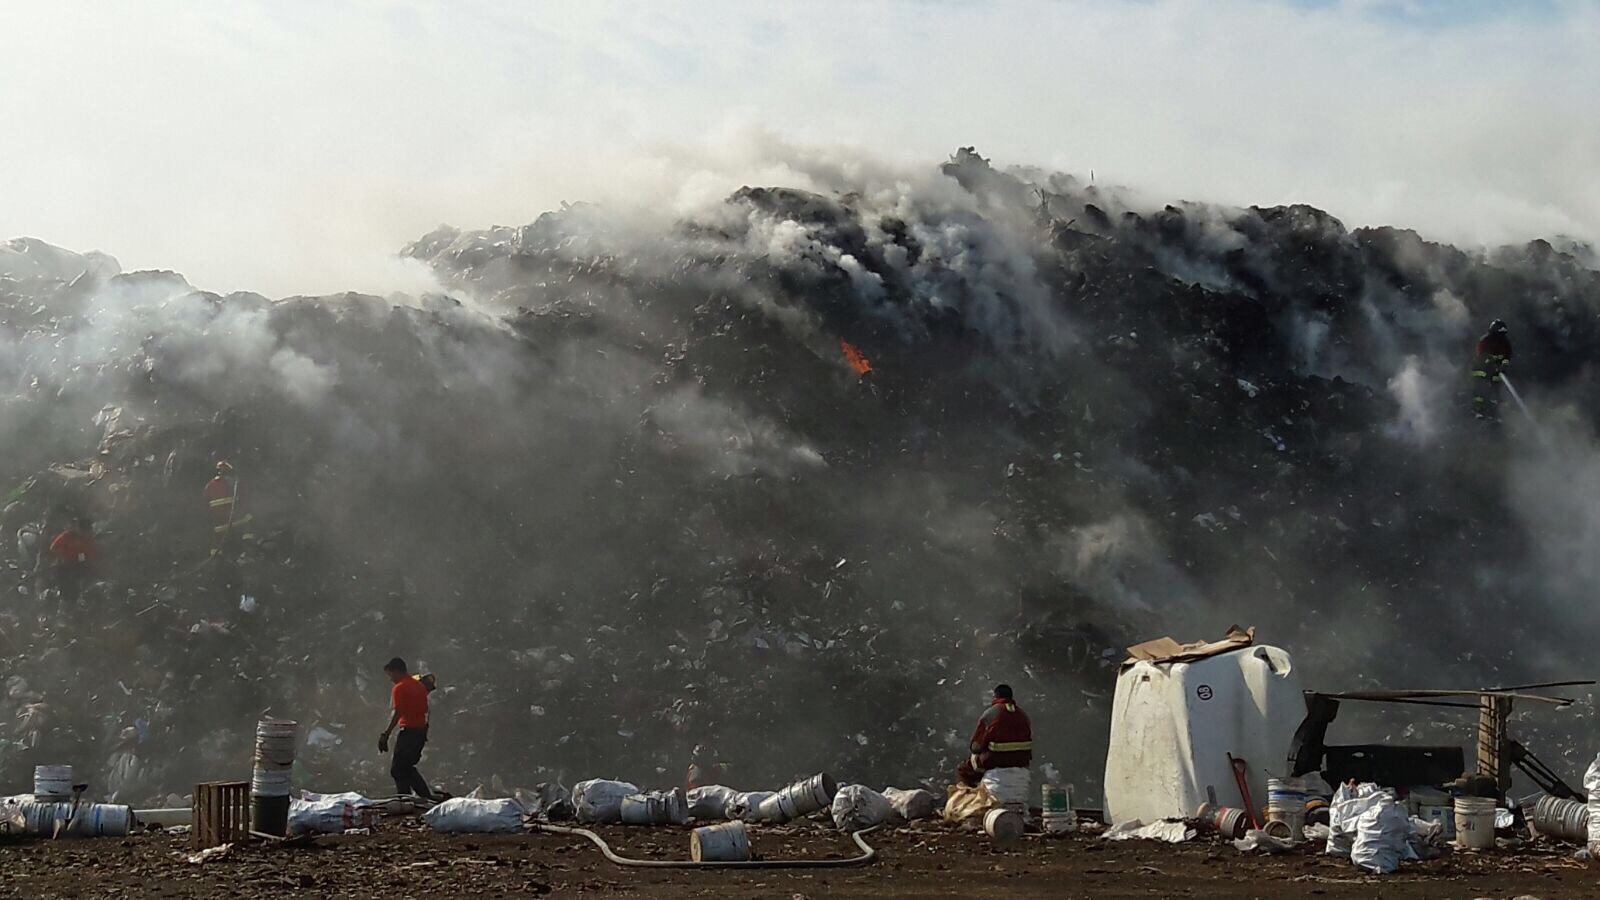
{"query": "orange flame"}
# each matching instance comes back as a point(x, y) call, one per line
point(856, 358)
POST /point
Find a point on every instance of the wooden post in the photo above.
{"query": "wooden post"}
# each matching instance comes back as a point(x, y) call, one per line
point(1493, 711)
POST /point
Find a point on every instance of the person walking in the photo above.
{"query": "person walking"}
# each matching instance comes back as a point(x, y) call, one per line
point(408, 701)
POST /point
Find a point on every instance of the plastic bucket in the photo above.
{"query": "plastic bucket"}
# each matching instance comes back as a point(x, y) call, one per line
point(52, 784)
point(103, 819)
point(1445, 816)
point(720, 843)
point(270, 783)
point(275, 743)
point(1475, 822)
point(1005, 826)
point(1290, 791)
point(655, 808)
point(1226, 821)
point(1567, 820)
point(1056, 813)
point(806, 797)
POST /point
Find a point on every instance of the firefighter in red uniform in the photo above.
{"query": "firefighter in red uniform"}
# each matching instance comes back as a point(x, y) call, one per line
point(220, 493)
point(1002, 740)
point(1493, 356)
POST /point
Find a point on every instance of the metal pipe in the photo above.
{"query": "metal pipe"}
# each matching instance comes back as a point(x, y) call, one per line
point(868, 855)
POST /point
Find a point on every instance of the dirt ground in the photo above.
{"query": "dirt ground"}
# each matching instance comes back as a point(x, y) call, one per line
point(927, 861)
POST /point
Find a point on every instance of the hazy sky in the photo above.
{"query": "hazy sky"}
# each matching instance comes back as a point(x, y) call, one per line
point(294, 146)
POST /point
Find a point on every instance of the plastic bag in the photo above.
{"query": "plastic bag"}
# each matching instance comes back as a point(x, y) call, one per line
point(312, 813)
point(1382, 837)
point(857, 806)
point(1348, 805)
point(962, 802)
point(710, 802)
point(1591, 786)
point(912, 804)
point(1009, 786)
point(462, 815)
point(599, 801)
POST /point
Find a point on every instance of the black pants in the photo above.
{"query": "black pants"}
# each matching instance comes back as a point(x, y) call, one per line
point(408, 746)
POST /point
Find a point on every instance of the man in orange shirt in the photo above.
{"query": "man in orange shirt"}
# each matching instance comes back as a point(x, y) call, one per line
point(409, 702)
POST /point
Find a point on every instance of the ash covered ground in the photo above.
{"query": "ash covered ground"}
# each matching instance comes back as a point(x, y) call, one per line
point(624, 487)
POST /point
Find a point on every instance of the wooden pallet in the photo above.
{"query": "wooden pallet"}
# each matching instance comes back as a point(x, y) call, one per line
point(221, 813)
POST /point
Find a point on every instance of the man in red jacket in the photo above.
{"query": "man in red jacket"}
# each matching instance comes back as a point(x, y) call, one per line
point(1002, 740)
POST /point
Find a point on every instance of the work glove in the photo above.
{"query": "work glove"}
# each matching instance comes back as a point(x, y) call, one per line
point(383, 743)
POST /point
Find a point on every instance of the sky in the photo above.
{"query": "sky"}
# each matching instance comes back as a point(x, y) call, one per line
point(294, 147)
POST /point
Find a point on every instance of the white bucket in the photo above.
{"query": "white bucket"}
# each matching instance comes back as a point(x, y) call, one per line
point(270, 783)
point(1056, 813)
point(52, 783)
point(1288, 791)
point(103, 819)
point(720, 843)
point(1475, 822)
point(1004, 825)
point(655, 808)
point(275, 743)
point(806, 797)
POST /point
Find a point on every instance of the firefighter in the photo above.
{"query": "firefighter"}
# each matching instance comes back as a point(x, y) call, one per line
point(1493, 356)
point(1002, 740)
point(221, 493)
point(72, 555)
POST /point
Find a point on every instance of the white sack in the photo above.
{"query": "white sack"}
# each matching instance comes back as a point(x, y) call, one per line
point(913, 804)
point(857, 806)
point(461, 815)
point(746, 807)
point(599, 801)
point(710, 802)
point(312, 813)
point(1172, 832)
point(1009, 786)
point(1382, 838)
point(1347, 806)
point(1591, 786)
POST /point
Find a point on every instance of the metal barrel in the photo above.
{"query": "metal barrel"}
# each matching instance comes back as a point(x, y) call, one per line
point(1566, 820)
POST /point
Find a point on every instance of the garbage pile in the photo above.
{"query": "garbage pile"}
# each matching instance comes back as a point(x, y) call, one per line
point(798, 477)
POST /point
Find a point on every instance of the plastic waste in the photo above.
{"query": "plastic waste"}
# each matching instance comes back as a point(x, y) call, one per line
point(464, 815)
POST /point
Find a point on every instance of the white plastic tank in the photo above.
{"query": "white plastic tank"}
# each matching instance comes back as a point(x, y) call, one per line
point(1173, 725)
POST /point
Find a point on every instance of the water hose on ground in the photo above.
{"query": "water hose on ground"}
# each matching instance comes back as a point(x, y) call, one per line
point(868, 855)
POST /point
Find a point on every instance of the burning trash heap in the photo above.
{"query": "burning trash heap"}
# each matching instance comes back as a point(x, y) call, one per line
point(795, 477)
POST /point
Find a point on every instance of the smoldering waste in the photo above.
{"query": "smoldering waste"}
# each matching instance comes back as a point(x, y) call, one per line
point(795, 479)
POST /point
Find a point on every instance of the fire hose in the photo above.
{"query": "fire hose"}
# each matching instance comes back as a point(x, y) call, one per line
point(868, 855)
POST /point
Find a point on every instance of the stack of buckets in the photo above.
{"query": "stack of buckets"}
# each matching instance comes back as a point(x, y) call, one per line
point(1286, 808)
point(1055, 805)
point(269, 786)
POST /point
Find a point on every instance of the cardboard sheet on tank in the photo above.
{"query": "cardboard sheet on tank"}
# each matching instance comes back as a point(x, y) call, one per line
point(1165, 649)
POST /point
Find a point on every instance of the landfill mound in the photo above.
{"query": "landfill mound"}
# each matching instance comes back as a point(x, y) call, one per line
point(796, 477)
